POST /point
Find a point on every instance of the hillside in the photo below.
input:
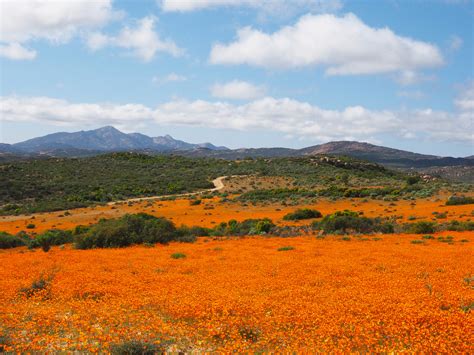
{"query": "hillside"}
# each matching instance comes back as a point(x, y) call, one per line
point(55, 184)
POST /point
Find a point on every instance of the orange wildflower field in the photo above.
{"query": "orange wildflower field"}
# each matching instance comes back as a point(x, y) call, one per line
point(379, 293)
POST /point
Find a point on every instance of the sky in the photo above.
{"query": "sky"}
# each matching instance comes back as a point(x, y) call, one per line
point(242, 73)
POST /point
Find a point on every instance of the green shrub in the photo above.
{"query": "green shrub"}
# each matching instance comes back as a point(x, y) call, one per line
point(422, 227)
point(178, 256)
point(417, 241)
point(195, 202)
point(30, 226)
point(127, 230)
point(246, 227)
point(459, 200)
point(51, 237)
point(342, 222)
point(304, 213)
point(287, 248)
point(8, 241)
point(460, 226)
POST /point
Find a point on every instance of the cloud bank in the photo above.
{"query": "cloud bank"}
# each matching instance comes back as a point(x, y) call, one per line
point(283, 115)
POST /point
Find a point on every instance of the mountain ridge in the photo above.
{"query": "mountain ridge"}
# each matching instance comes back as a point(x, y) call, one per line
point(109, 139)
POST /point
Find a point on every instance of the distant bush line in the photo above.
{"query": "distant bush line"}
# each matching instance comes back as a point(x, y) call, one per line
point(459, 200)
point(141, 228)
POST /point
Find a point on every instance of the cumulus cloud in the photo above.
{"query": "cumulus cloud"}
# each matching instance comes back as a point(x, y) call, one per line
point(142, 40)
point(55, 21)
point(16, 51)
point(267, 6)
point(287, 116)
point(343, 45)
point(237, 90)
point(465, 100)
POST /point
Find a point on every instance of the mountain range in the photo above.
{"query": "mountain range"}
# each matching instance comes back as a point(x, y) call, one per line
point(110, 139)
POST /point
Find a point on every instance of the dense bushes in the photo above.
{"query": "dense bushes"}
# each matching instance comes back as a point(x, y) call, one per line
point(59, 184)
point(127, 230)
point(422, 227)
point(50, 238)
point(343, 222)
point(8, 241)
point(246, 227)
point(459, 200)
point(302, 213)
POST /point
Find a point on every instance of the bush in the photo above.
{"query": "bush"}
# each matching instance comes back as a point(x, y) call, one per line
point(421, 227)
point(459, 200)
point(178, 256)
point(300, 214)
point(246, 227)
point(51, 237)
point(8, 241)
point(127, 230)
point(30, 226)
point(195, 202)
point(289, 247)
point(342, 222)
point(460, 226)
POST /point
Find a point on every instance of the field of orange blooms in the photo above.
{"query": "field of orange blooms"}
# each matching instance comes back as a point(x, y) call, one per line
point(377, 294)
point(212, 212)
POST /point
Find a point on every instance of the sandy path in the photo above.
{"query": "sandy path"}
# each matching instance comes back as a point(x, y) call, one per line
point(218, 185)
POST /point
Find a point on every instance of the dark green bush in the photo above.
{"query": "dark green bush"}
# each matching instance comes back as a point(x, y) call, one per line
point(343, 222)
point(195, 202)
point(459, 200)
point(246, 227)
point(127, 230)
point(460, 226)
point(51, 237)
point(422, 227)
point(304, 213)
point(8, 241)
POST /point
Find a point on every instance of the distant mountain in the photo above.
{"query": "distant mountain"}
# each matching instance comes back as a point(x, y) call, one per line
point(363, 151)
point(383, 155)
point(109, 139)
point(175, 144)
point(102, 140)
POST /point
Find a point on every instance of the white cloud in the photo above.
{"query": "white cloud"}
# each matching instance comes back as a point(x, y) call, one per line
point(267, 6)
point(410, 77)
point(286, 116)
point(55, 21)
point(465, 100)
point(455, 43)
point(415, 95)
point(343, 45)
point(16, 51)
point(237, 90)
point(172, 77)
point(142, 41)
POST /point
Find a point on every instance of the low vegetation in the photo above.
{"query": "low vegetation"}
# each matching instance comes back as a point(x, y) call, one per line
point(345, 222)
point(302, 213)
point(60, 184)
point(459, 200)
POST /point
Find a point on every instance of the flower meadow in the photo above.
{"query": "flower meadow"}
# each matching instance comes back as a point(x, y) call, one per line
point(352, 294)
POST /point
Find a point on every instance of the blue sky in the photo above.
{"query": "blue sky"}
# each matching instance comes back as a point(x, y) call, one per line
point(243, 73)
